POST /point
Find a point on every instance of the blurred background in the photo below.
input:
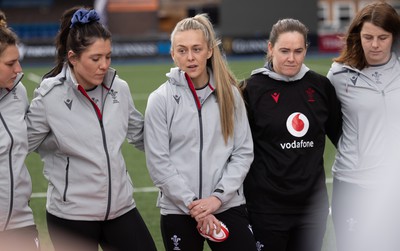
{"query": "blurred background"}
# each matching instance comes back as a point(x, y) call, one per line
point(141, 28)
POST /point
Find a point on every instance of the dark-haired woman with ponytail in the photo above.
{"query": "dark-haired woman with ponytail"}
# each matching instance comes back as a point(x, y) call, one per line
point(17, 228)
point(80, 116)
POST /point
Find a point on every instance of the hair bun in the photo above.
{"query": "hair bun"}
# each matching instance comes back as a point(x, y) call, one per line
point(3, 20)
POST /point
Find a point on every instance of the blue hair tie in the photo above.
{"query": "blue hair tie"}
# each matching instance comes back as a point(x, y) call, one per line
point(84, 16)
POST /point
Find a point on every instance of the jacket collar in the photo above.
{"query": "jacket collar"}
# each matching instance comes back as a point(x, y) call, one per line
point(267, 70)
point(5, 91)
point(177, 76)
point(339, 67)
point(68, 76)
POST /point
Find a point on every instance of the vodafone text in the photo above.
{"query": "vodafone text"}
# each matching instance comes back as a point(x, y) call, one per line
point(297, 144)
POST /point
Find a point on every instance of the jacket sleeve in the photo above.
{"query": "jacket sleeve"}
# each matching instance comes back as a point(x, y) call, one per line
point(333, 125)
point(37, 123)
point(156, 139)
point(335, 121)
point(241, 158)
point(135, 124)
point(22, 89)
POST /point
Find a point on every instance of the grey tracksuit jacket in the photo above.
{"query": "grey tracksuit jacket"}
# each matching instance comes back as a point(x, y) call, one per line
point(15, 181)
point(81, 146)
point(368, 150)
point(185, 151)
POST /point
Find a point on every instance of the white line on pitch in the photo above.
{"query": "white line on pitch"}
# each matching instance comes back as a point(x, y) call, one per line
point(142, 190)
point(135, 190)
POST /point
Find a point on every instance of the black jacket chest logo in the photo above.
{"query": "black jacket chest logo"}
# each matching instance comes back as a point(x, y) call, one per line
point(177, 98)
point(68, 103)
point(354, 78)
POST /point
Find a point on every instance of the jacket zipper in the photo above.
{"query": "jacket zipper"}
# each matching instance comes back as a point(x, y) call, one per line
point(103, 133)
point(108, 168)
point(198, 105)
point(66, 180)
point(200, 154)
point(11, 173)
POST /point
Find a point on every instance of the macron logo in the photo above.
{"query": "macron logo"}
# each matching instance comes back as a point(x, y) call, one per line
point(177, 98)
point(275, 96)
point(68, 102)
point(354, 79)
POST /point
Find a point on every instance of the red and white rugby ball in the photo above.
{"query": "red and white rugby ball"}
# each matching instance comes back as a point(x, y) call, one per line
point(213, 236)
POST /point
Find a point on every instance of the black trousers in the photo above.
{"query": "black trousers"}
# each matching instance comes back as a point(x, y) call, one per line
point(289, 232)
point(179, 232)
point(125, 233)
point(25, 238)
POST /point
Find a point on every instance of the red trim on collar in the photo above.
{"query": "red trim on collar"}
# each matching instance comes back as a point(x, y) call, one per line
point(98, 112)
point(105, 87)
point(211, 87)
point(193, 90)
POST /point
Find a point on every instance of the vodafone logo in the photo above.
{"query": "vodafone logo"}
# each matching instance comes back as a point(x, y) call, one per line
point(297, 124)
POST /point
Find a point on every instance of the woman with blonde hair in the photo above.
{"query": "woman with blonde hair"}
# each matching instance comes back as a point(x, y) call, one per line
point(199, 146)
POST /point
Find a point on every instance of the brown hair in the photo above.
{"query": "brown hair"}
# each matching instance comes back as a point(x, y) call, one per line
point(7, 36)
point(380, 14)
point(283, 26)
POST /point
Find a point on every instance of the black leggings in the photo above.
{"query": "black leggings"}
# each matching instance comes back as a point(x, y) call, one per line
point(289, 232)
point(127, 232)
point(179, 232)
